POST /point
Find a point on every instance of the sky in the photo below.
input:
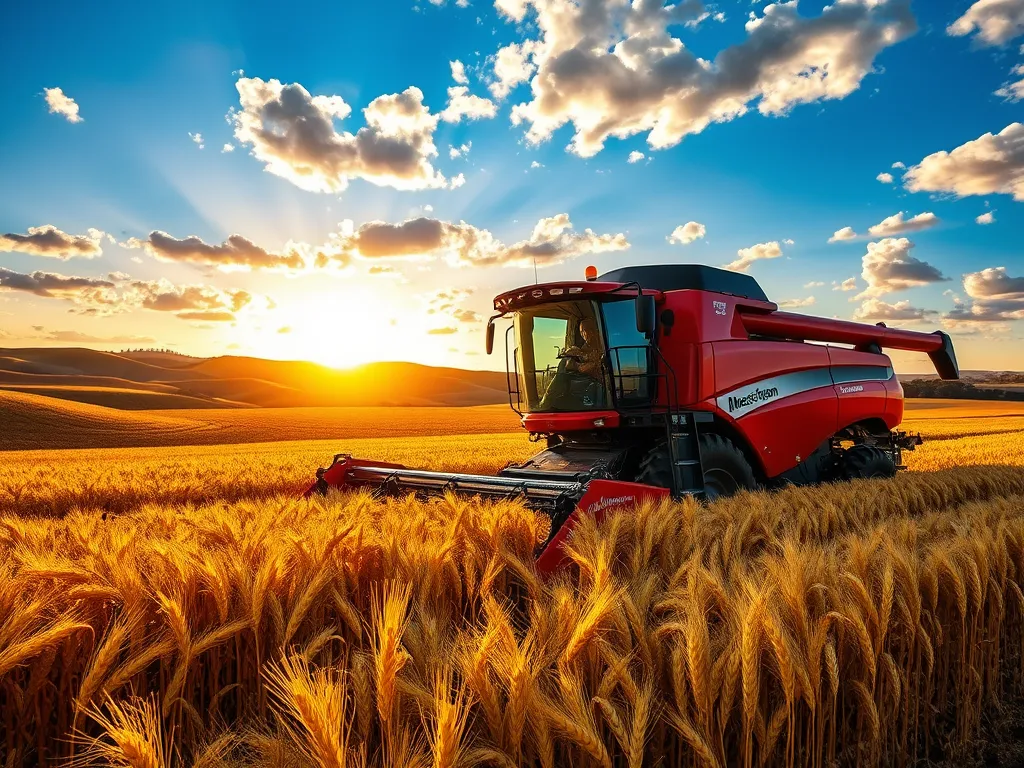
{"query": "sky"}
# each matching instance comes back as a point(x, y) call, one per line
point(350, 182)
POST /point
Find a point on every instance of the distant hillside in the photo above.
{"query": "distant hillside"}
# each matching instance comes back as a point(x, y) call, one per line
point(159, 380)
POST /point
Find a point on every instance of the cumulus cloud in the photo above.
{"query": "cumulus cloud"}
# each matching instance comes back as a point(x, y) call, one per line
point(197, 139)
point(189, 302)
point(885, 178)
point(995, 297)
point(613, 69)
point(846, 233)
point(51, 285)
point(460, 151)
point(227, 148)
point(993, 22)
point(687, 233)
point(876, 310)
point(459, 72)
point(635, 157)
point(293, 133)
point(899, 165)
point(814, 284)
point(747, 256)
point(1013, 90)
point(888, 266)
point(849, 284)
point(463, 104)
point(986, 218)
point(97, 296)
point(553, 241)
point(61, 104)
point(897, 225)
point(236, 252)
point(49, 241)
point(797, 303)
point(990, 164)
point(512, 65)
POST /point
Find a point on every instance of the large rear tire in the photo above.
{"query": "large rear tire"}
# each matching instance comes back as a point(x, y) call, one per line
point(726, 469)
point(867, 461)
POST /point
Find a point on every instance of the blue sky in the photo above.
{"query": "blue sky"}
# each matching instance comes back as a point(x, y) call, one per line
point(904, 81)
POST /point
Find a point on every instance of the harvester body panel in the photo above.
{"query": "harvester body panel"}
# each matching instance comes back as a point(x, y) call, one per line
point(624, 376)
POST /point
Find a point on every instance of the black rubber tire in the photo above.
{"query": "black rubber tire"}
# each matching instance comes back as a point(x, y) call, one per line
point(866, 461)
point(726, 469)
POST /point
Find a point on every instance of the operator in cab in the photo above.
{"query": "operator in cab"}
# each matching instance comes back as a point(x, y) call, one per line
point(589, 355)
point(579, 380)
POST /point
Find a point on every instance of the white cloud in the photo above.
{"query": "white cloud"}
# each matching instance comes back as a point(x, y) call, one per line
point(986, 218)
point(635, 157)
point(849, 284)
point(814, 284)
point(990, 164)
point(1013, 91)
point(899, 165)
point(458, 72)
point(535, 164)
point(512, 65)
point(61, 104)
point(993, 22)
point(458, 181)
point(875, 310)
point(553, 241)
point(897, 225)
point(197, 139)
point(846, 233)
point(49, 241)
point(293, 133)
point(463, 104)
point(885, 178)
point(228, 148)
point(612, 69)
point(995, 297)
point(889, 266)
point(796, 303)
point(460, 151)
point(687, 233)
point(236, 252)
point(747, 256)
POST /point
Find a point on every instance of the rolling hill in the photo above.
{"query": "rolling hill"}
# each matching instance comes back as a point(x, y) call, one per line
point(160, 380)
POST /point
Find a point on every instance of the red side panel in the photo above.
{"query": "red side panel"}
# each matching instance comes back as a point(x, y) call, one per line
point(785, 433)
point(859, 401)
point(740, 362)
point(779, 395)
point(600, 498)
point(579, 421)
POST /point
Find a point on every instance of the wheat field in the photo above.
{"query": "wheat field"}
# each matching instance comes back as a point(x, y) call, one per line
point(182, 607)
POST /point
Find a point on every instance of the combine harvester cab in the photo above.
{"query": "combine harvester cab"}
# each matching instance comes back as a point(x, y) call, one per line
point(676, 380)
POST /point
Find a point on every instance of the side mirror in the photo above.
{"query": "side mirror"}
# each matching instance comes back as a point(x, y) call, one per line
point(645, 313)
point(490, 336)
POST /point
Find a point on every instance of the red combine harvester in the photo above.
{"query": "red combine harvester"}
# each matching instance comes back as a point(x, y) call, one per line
point(677, 380)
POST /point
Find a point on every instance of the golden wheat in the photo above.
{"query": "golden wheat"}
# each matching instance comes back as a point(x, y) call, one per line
point(867, 623)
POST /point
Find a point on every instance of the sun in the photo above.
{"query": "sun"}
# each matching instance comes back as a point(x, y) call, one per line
point(341, 328)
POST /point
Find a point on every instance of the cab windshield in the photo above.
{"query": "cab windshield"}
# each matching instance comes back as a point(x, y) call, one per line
point(563, 361)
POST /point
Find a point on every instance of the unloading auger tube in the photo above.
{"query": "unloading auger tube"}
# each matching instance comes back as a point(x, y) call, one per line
point(674, 381)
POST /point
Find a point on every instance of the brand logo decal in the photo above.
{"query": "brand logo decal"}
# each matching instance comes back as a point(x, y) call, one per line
point(756, 396)
point(719, 307)
point(848, 390)
point(605, 502)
